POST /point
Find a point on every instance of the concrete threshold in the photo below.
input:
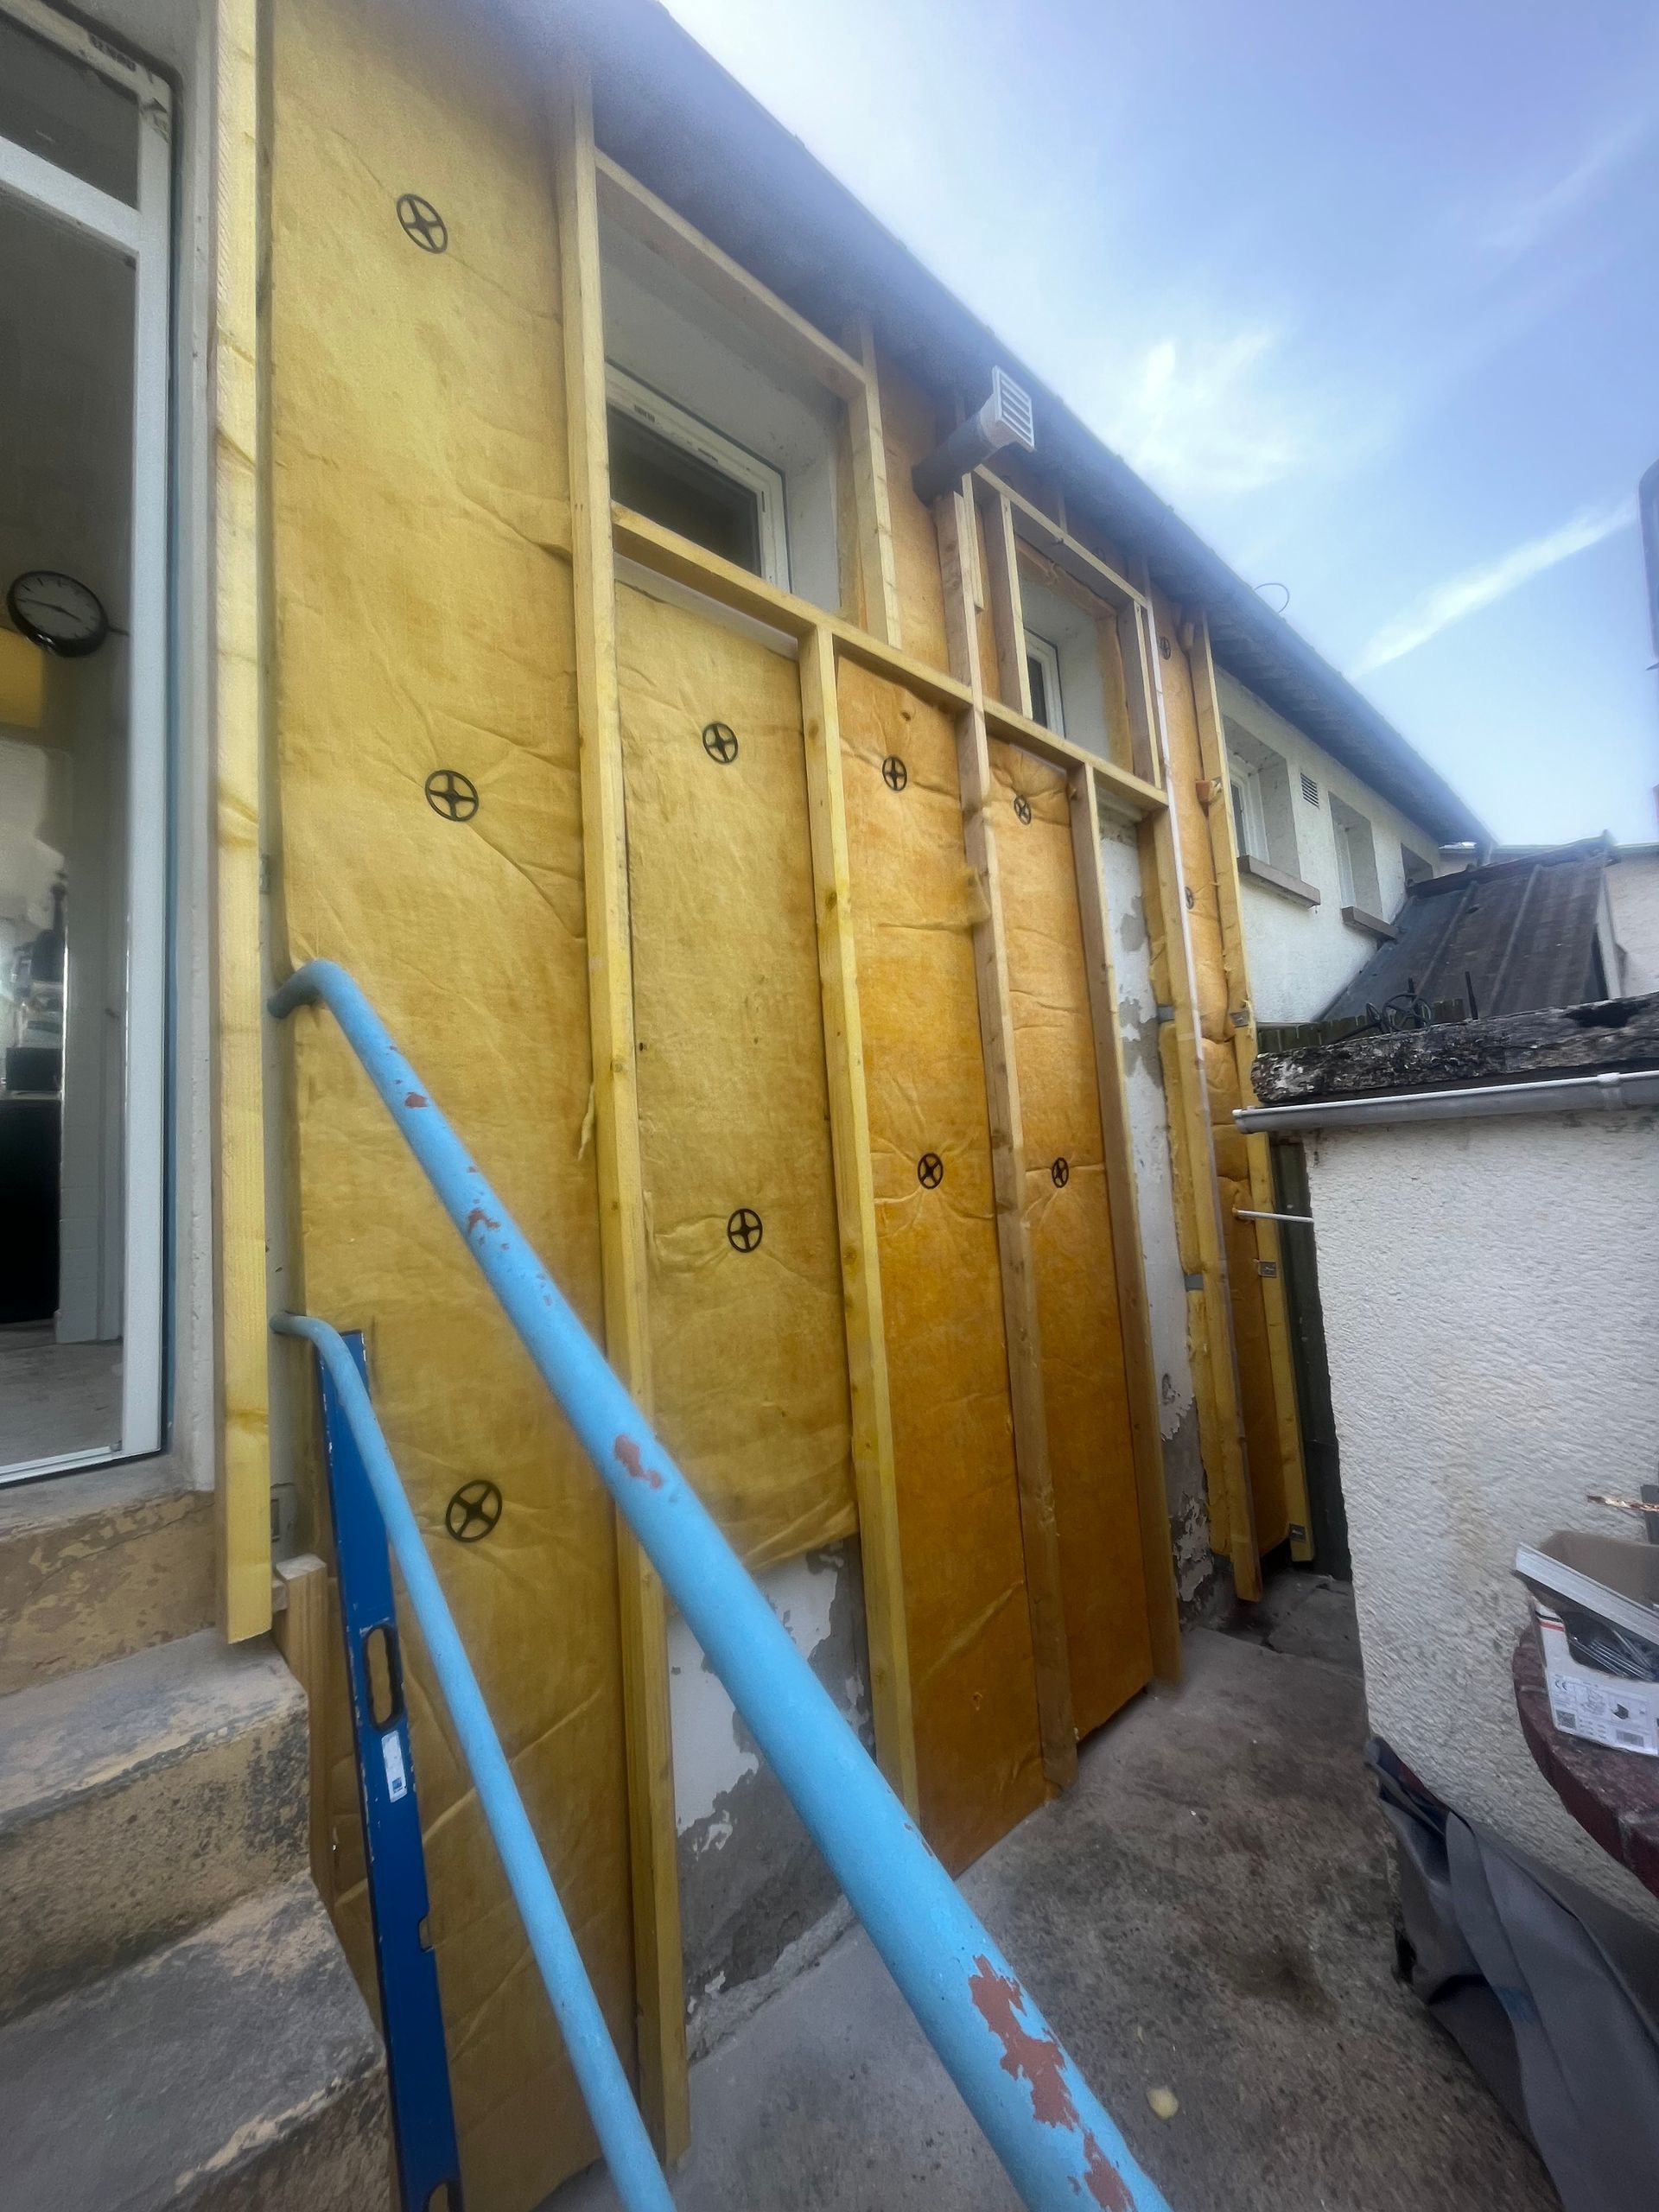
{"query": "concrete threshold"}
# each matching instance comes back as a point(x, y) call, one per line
point(1207, 1913)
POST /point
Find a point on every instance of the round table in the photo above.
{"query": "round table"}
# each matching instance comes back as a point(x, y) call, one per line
point(1612, 1794)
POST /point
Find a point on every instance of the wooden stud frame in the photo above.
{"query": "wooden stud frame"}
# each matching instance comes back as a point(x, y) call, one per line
point(1198, 1203)
point(1134, 1316)
point(243, 1505)
point(1140, 1364)
point(953, 516)
point(874, 520)
point(303, 1628)
point(873, 1473)
point(665, 2094)
point(1224, 852)
point(623, 200)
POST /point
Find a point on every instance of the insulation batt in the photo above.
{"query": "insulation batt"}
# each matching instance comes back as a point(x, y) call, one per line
point(422, 620)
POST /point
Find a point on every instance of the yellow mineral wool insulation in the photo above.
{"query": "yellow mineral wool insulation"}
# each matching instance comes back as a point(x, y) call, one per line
point(423, 629)
point(915, 903)
point(1090, 1446)
point(909, 432)
point(749, 1345)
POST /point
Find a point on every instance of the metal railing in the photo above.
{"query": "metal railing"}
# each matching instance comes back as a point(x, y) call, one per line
point(1060, 2147)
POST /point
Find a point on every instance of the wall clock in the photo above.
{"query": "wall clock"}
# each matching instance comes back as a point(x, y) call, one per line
point(58, 613)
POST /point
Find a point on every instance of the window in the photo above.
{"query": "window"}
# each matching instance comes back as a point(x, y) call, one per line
point(1249, 826)
point(1043, 670)
point(1264, 821)
point(1062, 662)
point(1356, 858)
point(677, 471)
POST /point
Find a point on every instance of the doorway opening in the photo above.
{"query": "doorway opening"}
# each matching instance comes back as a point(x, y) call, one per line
point(84, 248)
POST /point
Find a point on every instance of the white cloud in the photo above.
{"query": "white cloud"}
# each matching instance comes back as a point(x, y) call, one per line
point(1466, 594)
point(1185, 415)
point(1531, 218)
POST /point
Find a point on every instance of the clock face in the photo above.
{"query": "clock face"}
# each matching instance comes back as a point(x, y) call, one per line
point(57, 612)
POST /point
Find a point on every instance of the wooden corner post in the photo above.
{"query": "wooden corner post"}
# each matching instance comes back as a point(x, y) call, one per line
point(850, 1126)
point(1191, 1146)
point(1224, 852)
point(243, 1496)
point(953, 516)
point(659, 1972)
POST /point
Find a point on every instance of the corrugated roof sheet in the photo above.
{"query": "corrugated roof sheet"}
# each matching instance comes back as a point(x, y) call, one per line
point(1520, 934)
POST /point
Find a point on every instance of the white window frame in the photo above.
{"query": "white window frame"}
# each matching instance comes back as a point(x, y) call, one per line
point(1244, 797)
point(1349, 823)
point(1047, 658)
point(630, 396)
point(144, 233)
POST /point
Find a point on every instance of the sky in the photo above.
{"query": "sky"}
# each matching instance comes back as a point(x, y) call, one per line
point(1369, 294)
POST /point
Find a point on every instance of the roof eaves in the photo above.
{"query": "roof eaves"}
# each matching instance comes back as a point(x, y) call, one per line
point(671, 114)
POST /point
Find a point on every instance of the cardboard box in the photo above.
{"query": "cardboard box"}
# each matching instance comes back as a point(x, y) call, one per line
point(1585, 1702)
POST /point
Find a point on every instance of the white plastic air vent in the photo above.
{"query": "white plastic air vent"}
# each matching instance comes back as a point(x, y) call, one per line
point(1009, 411)
point(1309, 789)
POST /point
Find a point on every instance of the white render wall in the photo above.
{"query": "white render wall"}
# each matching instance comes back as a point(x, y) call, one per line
point(1178, 1410)
point(1492, 1314)
point(1633, 893)
point(1300, 956)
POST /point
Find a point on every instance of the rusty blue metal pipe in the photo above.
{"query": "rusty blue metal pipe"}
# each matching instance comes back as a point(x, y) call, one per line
point(1060, 2148)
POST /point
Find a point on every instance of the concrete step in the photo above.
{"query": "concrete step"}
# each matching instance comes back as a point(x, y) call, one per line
point(98, 1564)
point(139, 1799)
point(236, 2069)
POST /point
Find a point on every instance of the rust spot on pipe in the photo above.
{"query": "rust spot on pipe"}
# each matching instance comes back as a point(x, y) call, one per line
point(999, 2000)
point(415, 1098)
point(627, 1452)
point(477, 1216)
point(1106, 2185)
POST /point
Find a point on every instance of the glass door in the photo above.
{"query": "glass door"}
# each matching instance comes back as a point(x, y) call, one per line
point(84, 226)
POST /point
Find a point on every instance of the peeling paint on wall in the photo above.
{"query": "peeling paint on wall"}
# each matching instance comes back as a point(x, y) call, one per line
point(1196, 1568)
point(757, 1901)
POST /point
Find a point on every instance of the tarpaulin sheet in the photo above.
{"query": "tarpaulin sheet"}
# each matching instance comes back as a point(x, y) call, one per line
point(1258, 1402)
point(423, 622)
point(914, 904)
point(1090, 1449)
point(748, 1347)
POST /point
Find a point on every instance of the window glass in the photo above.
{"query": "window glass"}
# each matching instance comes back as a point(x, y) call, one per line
point(1042, 674)
point(68, 113)
point(66, 310)
point(661, 480)
point(1356, 858)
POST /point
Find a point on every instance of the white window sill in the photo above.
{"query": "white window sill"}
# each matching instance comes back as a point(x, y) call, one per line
point(1372, 925)
point(1279, 880)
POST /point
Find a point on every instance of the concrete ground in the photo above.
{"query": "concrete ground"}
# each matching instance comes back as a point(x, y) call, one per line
point(1207, 1912)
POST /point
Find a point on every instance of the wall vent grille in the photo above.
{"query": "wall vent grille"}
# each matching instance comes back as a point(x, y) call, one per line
point(1309, 789)
point(1011, 407)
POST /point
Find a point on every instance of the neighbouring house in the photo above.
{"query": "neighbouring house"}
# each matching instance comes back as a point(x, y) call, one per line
point(482, 505)
point(1485, 1198)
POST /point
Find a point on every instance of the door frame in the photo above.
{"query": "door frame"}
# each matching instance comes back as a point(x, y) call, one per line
point(144, 234)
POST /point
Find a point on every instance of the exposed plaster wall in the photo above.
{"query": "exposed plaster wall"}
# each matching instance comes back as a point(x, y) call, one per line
point(1300, 956)
point(1633, 893)
point(757, 1902)
point(1491, 1313)
point(1195, 1566)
